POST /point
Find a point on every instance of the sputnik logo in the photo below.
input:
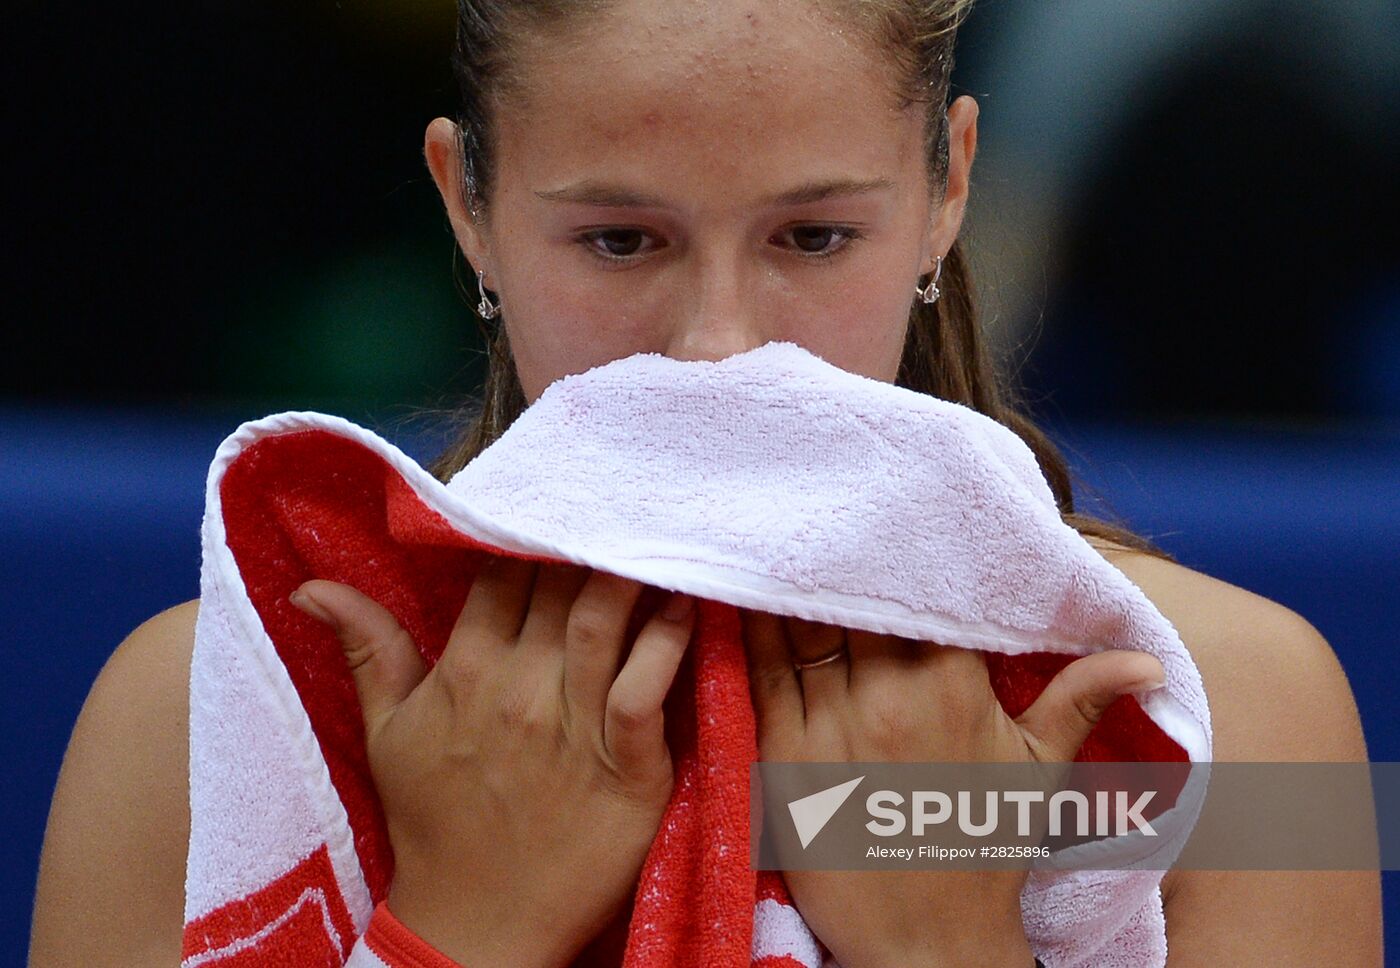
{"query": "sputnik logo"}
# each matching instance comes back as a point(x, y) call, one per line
point(811, 813)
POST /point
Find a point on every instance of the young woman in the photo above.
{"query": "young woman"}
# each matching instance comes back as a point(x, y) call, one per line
point(697, 179)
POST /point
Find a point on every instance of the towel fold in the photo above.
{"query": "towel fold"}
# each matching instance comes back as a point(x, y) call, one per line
point(770, 480)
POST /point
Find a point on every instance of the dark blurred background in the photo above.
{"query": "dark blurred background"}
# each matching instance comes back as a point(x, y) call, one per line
point(1183, 226)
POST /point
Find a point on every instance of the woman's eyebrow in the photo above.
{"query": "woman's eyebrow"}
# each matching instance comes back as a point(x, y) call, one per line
point(615, 196)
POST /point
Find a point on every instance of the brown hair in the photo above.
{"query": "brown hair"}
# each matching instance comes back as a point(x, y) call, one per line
point(944, 354)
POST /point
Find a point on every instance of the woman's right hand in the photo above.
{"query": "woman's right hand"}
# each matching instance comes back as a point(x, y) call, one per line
point(524, 777)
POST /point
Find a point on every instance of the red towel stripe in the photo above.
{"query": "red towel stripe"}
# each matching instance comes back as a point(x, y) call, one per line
point(398, 947)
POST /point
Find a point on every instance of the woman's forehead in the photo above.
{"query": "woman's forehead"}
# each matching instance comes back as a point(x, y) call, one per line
point(732, 84)
point(715, 50)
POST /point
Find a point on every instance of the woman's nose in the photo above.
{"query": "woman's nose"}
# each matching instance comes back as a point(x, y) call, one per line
point(718, 317)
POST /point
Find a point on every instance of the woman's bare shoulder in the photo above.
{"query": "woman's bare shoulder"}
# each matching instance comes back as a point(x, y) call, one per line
point(1264, 666)
point(1275, 687)
point(111, 874)
point(1276, 693)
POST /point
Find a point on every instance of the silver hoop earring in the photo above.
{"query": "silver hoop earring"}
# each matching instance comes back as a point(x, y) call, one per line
point(931, 292)
point(486, 308)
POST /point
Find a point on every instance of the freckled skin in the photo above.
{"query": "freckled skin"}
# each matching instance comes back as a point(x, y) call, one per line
point(712, 108)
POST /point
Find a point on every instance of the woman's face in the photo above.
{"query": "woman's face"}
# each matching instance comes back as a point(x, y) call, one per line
point(666, 186)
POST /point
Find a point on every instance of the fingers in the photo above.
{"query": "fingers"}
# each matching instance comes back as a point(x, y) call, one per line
point(595, 636)
point(490, 619)
point(496, 606)
point(879, 660)
point(634, 727)
point(826, 687)
point(1060, 720)
point(383, 659)
point(557, 586)
point(777, 694)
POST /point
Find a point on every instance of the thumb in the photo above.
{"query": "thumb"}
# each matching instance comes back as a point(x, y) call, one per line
point(382, 656)
point(1060, 720)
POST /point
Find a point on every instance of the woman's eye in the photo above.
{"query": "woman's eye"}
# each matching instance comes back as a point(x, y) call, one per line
point(617, 244)
point(816, 240)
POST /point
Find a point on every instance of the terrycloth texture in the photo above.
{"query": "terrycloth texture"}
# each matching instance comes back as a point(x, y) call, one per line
point(770, 480)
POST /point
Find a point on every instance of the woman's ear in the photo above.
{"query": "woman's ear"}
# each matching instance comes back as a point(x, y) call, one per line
point(962, 146)
point(442, 152)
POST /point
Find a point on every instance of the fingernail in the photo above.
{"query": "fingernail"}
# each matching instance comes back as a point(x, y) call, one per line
point(1148, 684)
point(677, 607)
point(313, 608)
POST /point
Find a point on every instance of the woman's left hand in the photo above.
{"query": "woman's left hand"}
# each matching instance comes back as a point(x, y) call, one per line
point(890, 699)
